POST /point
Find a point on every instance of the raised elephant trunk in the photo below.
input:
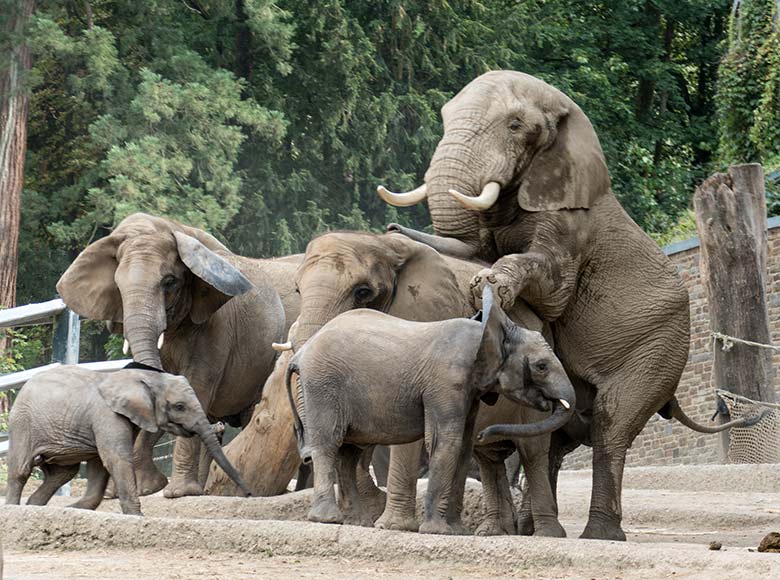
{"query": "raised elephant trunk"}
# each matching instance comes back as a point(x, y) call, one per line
point(560, 416)
point(206, 434)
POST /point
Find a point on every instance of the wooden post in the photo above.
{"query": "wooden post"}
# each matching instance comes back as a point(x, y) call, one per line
point(731, 219)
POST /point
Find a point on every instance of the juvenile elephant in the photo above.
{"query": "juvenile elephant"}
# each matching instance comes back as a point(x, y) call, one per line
point(172, 287)
point(519, 179)
point(367, 378)
point(342, 271)
point(69, 414)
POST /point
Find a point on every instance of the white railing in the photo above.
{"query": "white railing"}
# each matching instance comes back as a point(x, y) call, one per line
point(65, 343)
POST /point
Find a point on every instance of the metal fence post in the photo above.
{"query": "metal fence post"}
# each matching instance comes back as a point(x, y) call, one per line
point(65, 345)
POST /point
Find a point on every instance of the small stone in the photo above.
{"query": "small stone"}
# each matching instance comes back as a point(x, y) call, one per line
point(770, 543)
point(715, 545)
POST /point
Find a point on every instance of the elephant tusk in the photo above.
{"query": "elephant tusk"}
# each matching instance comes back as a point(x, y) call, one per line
point(281, 346)
point(565, 404)
point(125, 347)
point(160, 340)
point(484, 201)
point(402, 199)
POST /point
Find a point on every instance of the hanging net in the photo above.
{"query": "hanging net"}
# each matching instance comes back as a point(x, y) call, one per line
point(759, 443)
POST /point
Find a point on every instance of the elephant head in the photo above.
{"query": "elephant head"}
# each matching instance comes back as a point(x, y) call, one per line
point(524, 369)
point(151, 274)
point(508, 134)
point(159, 401)
point(342, 271)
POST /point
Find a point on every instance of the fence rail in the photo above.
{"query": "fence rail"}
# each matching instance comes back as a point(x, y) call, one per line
point(65, 344)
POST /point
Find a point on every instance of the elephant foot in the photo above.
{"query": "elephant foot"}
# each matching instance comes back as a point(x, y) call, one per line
point(359, 518)
point(393, 521)
point(147, 483)
point(458, 529)
point(493, 527)
point(85, 504)
point(325, 512)
point(525, 524)
point(503, 286)
point(437, 526)
point(550, 529)
point(603, 531)
point(373, 503)
point(182, 487)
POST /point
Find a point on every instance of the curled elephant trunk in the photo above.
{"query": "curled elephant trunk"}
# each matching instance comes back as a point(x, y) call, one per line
point(558, 419)
point(206, 434)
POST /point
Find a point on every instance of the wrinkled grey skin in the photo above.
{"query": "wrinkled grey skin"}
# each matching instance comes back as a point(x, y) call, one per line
point(367, 378)
point(219, 313)
point(558, 239)
point(68, 415)
point(342, 271)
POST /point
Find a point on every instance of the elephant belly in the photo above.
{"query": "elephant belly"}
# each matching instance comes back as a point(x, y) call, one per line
point(386, 430)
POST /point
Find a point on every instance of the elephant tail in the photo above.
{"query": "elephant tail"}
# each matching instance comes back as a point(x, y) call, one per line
point(298, 410)
point(672, 410)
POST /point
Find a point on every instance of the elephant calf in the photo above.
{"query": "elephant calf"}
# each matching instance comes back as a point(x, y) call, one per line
point(367, 378)
point(68, 415)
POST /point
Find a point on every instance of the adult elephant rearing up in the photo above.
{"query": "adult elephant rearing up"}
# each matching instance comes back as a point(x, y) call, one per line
point(519, 179)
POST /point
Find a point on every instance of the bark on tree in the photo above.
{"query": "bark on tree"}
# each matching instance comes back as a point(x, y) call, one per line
point(15, 58)
point(267, 441)
point(731, 219)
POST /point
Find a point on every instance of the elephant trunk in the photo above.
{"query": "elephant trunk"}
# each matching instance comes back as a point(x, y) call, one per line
point(452, 167)
point(560, 416)
point(206, 434)
point(143, 325)
point(314, 315)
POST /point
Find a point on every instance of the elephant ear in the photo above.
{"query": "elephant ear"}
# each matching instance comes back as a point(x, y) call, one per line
point(130, 395)
point(216, 279)
point(88, 286)
point(426, 288)
point(490, 354)
point(571, 172)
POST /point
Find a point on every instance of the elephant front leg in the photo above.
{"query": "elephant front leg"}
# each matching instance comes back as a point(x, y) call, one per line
point(401, 506)
point(372, 498)
point(97, 479)
point(534, 453)
point(186, 461)
point(544, 282)
point(500, 518)
point(349, 498)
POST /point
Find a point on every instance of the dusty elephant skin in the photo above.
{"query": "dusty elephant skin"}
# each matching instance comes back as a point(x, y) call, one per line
point(172, 288)
point(342, 271)
point(68, 415)
point(519, 179)
point(367, 378)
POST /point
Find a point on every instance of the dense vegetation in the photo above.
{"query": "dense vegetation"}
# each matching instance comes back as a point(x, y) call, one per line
point(267, 122)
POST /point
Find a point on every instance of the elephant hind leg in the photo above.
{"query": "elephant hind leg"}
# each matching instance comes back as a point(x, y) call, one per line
point(352, 507)
point(324, 508)
point(500, 515)
point(97, 480)
point(19, 469)
point(372, 498)
point(54, 477)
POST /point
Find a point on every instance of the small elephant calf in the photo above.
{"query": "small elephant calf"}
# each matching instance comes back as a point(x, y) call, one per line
point(367, 378)
point(69, 414)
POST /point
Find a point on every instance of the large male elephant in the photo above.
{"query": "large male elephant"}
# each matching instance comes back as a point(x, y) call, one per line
point(171, 288)
point(519, 179)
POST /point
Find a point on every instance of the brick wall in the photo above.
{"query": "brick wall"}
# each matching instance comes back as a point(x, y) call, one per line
point(664, 442)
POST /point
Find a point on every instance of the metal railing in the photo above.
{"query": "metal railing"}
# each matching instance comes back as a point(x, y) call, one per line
point(65, 343)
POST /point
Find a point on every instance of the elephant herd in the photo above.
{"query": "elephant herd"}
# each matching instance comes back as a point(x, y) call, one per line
point(537, 293)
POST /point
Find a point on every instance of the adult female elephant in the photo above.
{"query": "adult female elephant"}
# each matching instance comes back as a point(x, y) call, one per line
point(519, 179)
point(171, 287)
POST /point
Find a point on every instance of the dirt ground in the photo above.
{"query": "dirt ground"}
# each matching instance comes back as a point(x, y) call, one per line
point(208, 537)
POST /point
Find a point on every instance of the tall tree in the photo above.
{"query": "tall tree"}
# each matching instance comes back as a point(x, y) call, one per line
point(14, 97)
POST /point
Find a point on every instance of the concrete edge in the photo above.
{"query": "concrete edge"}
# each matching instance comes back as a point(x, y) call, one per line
point(35, 528)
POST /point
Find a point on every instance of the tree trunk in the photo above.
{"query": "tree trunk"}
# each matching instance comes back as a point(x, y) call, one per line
point(15, 54)
point(265, 452)
point(731, 219)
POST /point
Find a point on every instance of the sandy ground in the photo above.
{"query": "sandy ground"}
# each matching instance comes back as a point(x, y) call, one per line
point(208, 537)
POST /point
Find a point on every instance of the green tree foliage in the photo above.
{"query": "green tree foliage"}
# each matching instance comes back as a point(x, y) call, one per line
point(267, 123)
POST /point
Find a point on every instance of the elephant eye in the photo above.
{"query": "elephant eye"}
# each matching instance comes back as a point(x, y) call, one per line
point(541, 366)
point(170, 283)
point(179, 407)
point(515, 125)
point(363, 294)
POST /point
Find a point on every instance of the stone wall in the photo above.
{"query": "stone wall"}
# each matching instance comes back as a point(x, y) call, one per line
point(664, 442)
